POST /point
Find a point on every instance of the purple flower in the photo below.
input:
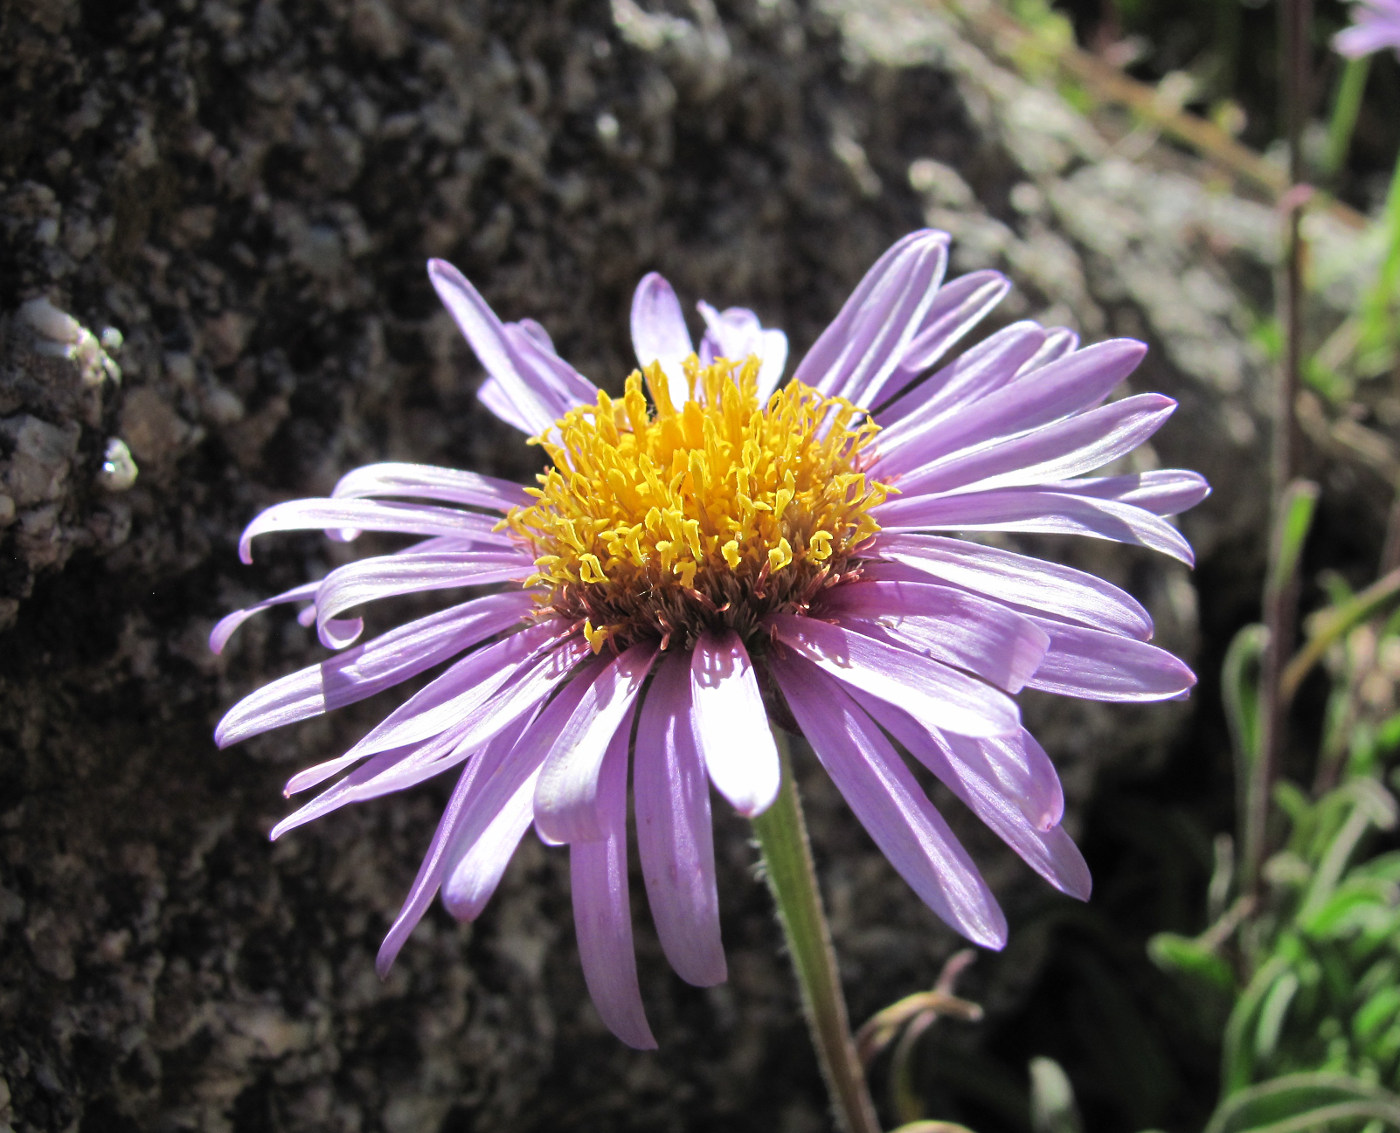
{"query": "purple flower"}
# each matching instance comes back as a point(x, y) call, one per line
point(728, 548)
point(1375, 24)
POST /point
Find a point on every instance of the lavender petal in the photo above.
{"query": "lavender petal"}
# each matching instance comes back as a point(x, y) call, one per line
point(1034, 509)
point(1093, 665)
point(731, 724)
point(392, 657)
point(674, 835)
point(945, 624)
point(929, 691)
point(1045, 847)
point(487, 335)
point(1053, 452)
point(602, 911)
point(891, 806)
point(659, 333)
point(429, 482)
point(567, 798)
point(1021, 581)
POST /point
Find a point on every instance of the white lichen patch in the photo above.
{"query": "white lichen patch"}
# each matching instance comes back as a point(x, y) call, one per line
point(61, 335)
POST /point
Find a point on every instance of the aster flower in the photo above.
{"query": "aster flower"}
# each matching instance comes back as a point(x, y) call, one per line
point(714, 549)
point(1375, 25)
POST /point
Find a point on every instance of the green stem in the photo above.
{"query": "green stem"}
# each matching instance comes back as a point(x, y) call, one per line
point(1281, 587)
point(1379, 301)
point(1344, 111)
point(787, 860)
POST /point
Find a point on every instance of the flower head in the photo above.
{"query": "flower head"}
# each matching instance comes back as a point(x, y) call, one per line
point(710, 549)
point(1375, 25)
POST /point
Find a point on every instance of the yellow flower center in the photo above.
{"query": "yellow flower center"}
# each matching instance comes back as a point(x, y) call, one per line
point(659, 522)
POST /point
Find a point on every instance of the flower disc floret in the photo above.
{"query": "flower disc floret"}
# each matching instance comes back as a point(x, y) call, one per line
point(659, 521)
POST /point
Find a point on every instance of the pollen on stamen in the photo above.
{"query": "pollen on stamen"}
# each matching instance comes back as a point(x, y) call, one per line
point(658, 521)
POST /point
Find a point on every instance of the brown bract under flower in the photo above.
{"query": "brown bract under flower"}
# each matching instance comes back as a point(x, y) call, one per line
point(659, 522)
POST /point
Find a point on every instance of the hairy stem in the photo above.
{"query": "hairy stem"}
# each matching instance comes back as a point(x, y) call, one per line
point(787, 860)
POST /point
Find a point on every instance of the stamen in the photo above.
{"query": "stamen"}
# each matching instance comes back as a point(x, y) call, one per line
point(661, 523)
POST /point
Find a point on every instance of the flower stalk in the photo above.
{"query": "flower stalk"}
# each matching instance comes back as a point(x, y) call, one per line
point(1281, 589)
point(787, 860)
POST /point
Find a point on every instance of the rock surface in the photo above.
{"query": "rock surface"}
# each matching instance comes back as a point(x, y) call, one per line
point(247, 191)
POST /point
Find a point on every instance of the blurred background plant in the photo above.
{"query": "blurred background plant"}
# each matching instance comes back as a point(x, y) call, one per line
point(1253, 984)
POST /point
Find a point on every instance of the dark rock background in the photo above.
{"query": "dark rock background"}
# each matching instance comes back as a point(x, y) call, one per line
point(246, 191)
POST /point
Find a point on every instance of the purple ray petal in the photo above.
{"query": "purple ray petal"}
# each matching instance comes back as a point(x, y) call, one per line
point(1059, 341)
point(774, 355)
point(674, 836)
point(492, 703)
point(494, 396)
point(1019, 580)
point(525, 664)
point(381, 774)
point(536, 333)
point(944, 624)
point(567, 387)
point(567, 796)
point(602, 911)
point(473, 870)
point(659, 333)
point(372, 515)
point(891, 806)
point(735, 333)
point(1061, 389)
point(385, 576)
point(225, 627)
point(1103, 666)
point(963, 767)
point(1054, 452)
point(731, 725)
point(970, 377)
point(429, 482)
point(1368, 35)
point(895, 311)
point(1163, 491)
point(425, 885)
point(929, 691)
point(1034, 509)
point(477, 870)
point(959, 306)
point(413, 765)
point(532, 400)
point(391, 657)
point(869, 334)
point(1015, 767)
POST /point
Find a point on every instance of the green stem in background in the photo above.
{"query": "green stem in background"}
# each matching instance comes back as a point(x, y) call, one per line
point(1294, 507)
point(1341, 620)
point(1281, 589)
point(1377, 329)
point(1344, 110)
point(787, 861)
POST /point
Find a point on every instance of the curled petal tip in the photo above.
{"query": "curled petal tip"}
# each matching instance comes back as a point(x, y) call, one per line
point(384, 962)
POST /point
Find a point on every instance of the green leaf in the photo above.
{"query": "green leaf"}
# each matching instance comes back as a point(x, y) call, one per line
point(1375, 1014)
point(1342, 913)
point(1272, 1013)
point(1240, 686)
point(1297, 508)
point(1188, 956)
point(1238, 1046)
point(1304, 1103)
